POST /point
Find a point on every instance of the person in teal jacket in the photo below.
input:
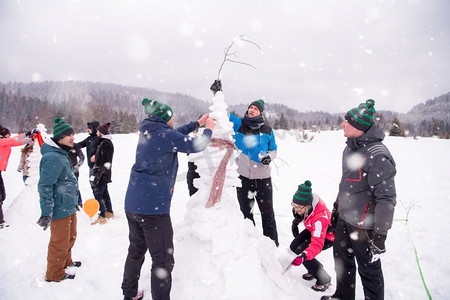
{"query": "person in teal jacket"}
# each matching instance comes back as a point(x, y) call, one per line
point(58, 194)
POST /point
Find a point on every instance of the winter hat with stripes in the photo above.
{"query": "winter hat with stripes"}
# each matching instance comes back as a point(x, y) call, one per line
point(259, 104)
point(361, 117)
point(104, 129)
point(153, 107)
point(61, 129)
point(303, 196)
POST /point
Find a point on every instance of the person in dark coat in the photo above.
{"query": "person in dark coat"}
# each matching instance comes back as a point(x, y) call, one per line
point(364, 208)
point(90, 143)
point(102, 171)
point(77, 159)
point(57, 189)
point(149, 195)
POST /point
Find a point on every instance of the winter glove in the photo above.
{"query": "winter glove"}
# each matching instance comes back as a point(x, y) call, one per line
point(44, 221)
point(376, 247)
point(299, 259)
point(295, 223)
point(76, 168)
point(28, 134)
point(266, 160)
point(334, 217)
point(216, 86)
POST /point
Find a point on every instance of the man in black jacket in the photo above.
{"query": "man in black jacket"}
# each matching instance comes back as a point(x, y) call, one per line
point(102, 173)
point(91, 144)
point(364, 208)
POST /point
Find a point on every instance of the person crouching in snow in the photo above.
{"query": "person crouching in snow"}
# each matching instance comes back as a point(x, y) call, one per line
point(310, 209)
point(58, 194)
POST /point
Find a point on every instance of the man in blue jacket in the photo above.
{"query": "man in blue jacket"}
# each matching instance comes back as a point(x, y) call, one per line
point(149, 194)
point(58, 194)
point(257, 143)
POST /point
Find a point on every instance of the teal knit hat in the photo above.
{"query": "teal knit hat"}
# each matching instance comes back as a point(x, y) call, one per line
point(303, 196)
point(61, 129)
point(153, 107)
point(361, 117)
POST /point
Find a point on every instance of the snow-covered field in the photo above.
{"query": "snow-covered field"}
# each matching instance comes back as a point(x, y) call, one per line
point(422, 185)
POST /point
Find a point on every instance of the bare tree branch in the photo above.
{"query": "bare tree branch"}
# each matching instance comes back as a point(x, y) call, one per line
point(241, 38)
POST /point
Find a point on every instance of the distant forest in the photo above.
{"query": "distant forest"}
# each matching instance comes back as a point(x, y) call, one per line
point(23, 105)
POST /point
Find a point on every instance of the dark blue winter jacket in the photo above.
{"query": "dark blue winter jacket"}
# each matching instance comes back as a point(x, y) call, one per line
point(154, 172)
point(57, 187)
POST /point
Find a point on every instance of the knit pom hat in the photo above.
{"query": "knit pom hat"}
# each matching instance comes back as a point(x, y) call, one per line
point(303, 196)
point(4, 131)
point(361, 117)
point(259, 104)
point(153, 107)
point(61, 129)
point(104, 129)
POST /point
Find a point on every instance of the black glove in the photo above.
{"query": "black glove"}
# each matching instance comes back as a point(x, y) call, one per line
point(28, 134)
point(44, 221)
point(297, 220)
point(376, 247)
point(334, 217)
point(216, 86)
point(266, 160)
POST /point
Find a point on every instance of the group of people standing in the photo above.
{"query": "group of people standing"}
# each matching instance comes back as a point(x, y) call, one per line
point(364, 206)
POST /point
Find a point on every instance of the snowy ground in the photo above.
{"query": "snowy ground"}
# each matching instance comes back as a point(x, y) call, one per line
point(422, 183)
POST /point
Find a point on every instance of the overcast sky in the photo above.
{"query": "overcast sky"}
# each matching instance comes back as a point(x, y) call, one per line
point(315, 54)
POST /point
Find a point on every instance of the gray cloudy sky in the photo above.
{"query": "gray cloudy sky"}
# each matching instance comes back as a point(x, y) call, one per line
point(315, 54)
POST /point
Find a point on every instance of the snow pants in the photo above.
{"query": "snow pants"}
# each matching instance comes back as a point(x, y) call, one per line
point(314, 267)
point(261, 191)
point(63, 233)
point(352, 242)
point(2, 198)
point(155, 233)
point(101, 194)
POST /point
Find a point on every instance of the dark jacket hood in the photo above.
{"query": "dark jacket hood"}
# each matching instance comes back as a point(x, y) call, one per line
point(374, 134)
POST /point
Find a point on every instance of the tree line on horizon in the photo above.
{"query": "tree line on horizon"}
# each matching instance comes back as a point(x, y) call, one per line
point(23, 105)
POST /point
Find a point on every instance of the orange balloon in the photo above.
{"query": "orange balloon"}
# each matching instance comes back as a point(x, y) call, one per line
point(91, 207)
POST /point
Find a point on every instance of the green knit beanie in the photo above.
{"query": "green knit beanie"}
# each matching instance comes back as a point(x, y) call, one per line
point(153, 107)
point(361, 117)
point(303, 196)
point(259, 104)
point(61, 129)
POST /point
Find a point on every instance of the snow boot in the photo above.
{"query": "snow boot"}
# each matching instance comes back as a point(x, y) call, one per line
point(66, 276)
point(308, 276)
point(139, 296)
point(109, 215)
point(321, 287)
point(75, 264)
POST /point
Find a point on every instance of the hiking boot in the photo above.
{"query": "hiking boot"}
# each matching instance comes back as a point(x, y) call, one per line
point(109, 215)
point(308, 276)
point(321, 287)
point(101, 220)
point(332, 297)
point(66, 276)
